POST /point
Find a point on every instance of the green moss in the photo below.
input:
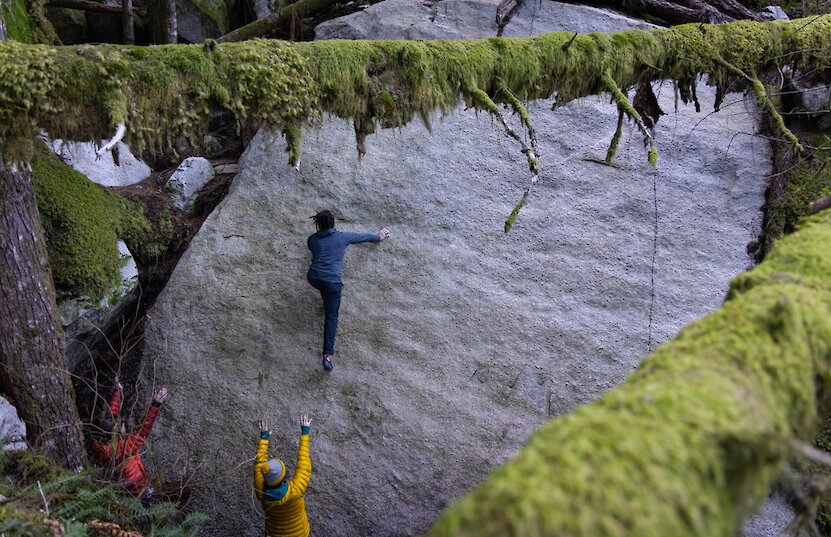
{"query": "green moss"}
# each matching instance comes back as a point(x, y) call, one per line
point(27, 467)
point(19, 24)
point(692, 441)
point(83, 222)
point(808, 180)
point(170, 91)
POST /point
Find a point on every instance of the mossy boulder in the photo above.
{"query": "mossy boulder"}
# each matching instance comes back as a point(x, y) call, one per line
point(198, 20)
point(83, 222)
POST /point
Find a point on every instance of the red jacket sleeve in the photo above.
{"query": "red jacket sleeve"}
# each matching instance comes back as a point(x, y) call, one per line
point(137, 438)
point(115, 403)
point(101, 451)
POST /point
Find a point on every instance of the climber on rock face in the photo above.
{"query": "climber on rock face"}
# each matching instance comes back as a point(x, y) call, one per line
point(328, 247)
point(281, 497)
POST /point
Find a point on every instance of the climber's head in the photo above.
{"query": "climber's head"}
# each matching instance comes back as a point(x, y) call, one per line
point(107, 423)
point(274, 472)
point(324, 220)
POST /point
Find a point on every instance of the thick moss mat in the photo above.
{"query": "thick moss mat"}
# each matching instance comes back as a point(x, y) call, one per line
point(83, 222)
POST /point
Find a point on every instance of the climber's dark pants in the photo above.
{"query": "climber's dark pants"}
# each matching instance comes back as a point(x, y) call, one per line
point(330, 293)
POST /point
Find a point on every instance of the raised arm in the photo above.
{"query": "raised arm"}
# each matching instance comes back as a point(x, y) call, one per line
point(261, 458)
point(136, 439)
point(115, 399)
point(303, 467)
point(355, 238)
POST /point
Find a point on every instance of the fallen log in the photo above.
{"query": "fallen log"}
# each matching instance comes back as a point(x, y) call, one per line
point(87, 5)
point(258, 28)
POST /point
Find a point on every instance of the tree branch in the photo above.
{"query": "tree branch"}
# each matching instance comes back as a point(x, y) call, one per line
point(261, 27)
point(87, 5)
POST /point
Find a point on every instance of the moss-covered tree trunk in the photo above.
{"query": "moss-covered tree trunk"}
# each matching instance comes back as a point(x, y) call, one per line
point(163, 26)
point(32, 359)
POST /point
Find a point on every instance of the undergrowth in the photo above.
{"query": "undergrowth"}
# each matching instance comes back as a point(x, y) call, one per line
point(42, 500)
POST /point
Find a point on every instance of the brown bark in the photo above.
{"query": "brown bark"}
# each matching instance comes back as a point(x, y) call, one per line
point(32, 359)
point(258, 28)
point(163, 23)
point(127, 22)
point(683, 11)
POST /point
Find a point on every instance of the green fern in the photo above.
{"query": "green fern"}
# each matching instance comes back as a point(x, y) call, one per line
point(87, 504)
point(75, 529)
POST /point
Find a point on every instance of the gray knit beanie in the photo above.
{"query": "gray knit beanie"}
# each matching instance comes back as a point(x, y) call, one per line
point(276, 472)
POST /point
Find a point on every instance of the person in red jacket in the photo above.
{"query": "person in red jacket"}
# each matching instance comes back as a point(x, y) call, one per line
point(120, 451)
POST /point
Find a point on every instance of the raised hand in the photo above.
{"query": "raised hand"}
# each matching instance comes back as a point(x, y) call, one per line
point(305, 420)
point(160, 395)
point(263, 425)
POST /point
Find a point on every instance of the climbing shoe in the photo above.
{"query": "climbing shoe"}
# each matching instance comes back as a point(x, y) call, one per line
point(327, 363)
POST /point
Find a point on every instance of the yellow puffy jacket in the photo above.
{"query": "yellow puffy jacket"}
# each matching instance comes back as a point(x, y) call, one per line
point(285, 517)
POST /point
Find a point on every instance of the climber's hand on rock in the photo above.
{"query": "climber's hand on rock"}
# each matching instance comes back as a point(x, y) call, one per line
point(305, 420)
point(383, 233)
point(263, 426)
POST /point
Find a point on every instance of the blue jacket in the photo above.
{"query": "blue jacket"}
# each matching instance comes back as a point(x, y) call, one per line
point(328, 248)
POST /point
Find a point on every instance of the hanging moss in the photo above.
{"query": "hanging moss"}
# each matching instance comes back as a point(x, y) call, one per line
point(82, 223)
point(691, 442)
point(165, 92)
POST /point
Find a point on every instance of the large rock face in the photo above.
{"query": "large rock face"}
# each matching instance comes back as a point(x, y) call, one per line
point(456, 340)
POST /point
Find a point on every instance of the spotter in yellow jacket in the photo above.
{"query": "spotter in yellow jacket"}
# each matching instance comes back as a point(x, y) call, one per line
point(282, 498)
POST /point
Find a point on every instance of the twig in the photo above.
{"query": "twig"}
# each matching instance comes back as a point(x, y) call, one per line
point(568, 43)
point(811, 453)
point(42, 497)
point(623, 103)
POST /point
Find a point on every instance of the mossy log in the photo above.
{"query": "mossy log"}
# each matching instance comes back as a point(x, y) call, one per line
point(297, 9)
point(692, 441)
point(164, 92)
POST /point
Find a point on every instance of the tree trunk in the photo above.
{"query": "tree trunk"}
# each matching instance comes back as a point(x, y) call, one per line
point(32, 360)
point(127, 22)
point(258, 28)
point(2, 26)
point(163, 26)
point(683, 11)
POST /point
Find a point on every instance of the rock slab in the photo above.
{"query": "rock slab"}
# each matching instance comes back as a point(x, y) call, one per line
point(12, 428)
point(456, 341)
point(188, 180)
point(104, 170)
